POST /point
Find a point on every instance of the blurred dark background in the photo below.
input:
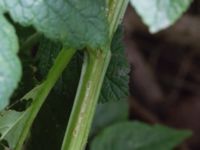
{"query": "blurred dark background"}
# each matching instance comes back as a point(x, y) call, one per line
point(165, 73)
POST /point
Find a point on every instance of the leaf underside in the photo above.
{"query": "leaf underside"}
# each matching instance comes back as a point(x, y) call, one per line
point(10, 68)
point(160, 14)
point(76, 23)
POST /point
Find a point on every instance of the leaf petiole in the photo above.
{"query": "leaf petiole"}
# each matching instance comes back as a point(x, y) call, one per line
point(61, 62)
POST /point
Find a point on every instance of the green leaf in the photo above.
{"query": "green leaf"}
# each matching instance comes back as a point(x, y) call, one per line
point(138, 136)
point(109, 113)
point(160, 14)
point(11, 125)
point(10, 68)
point(76, 23)
point(115, 85)
point(12, 122)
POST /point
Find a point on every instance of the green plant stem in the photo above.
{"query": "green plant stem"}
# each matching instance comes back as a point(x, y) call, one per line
point(117, 9)
point(93, 72)
point(61, 62)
